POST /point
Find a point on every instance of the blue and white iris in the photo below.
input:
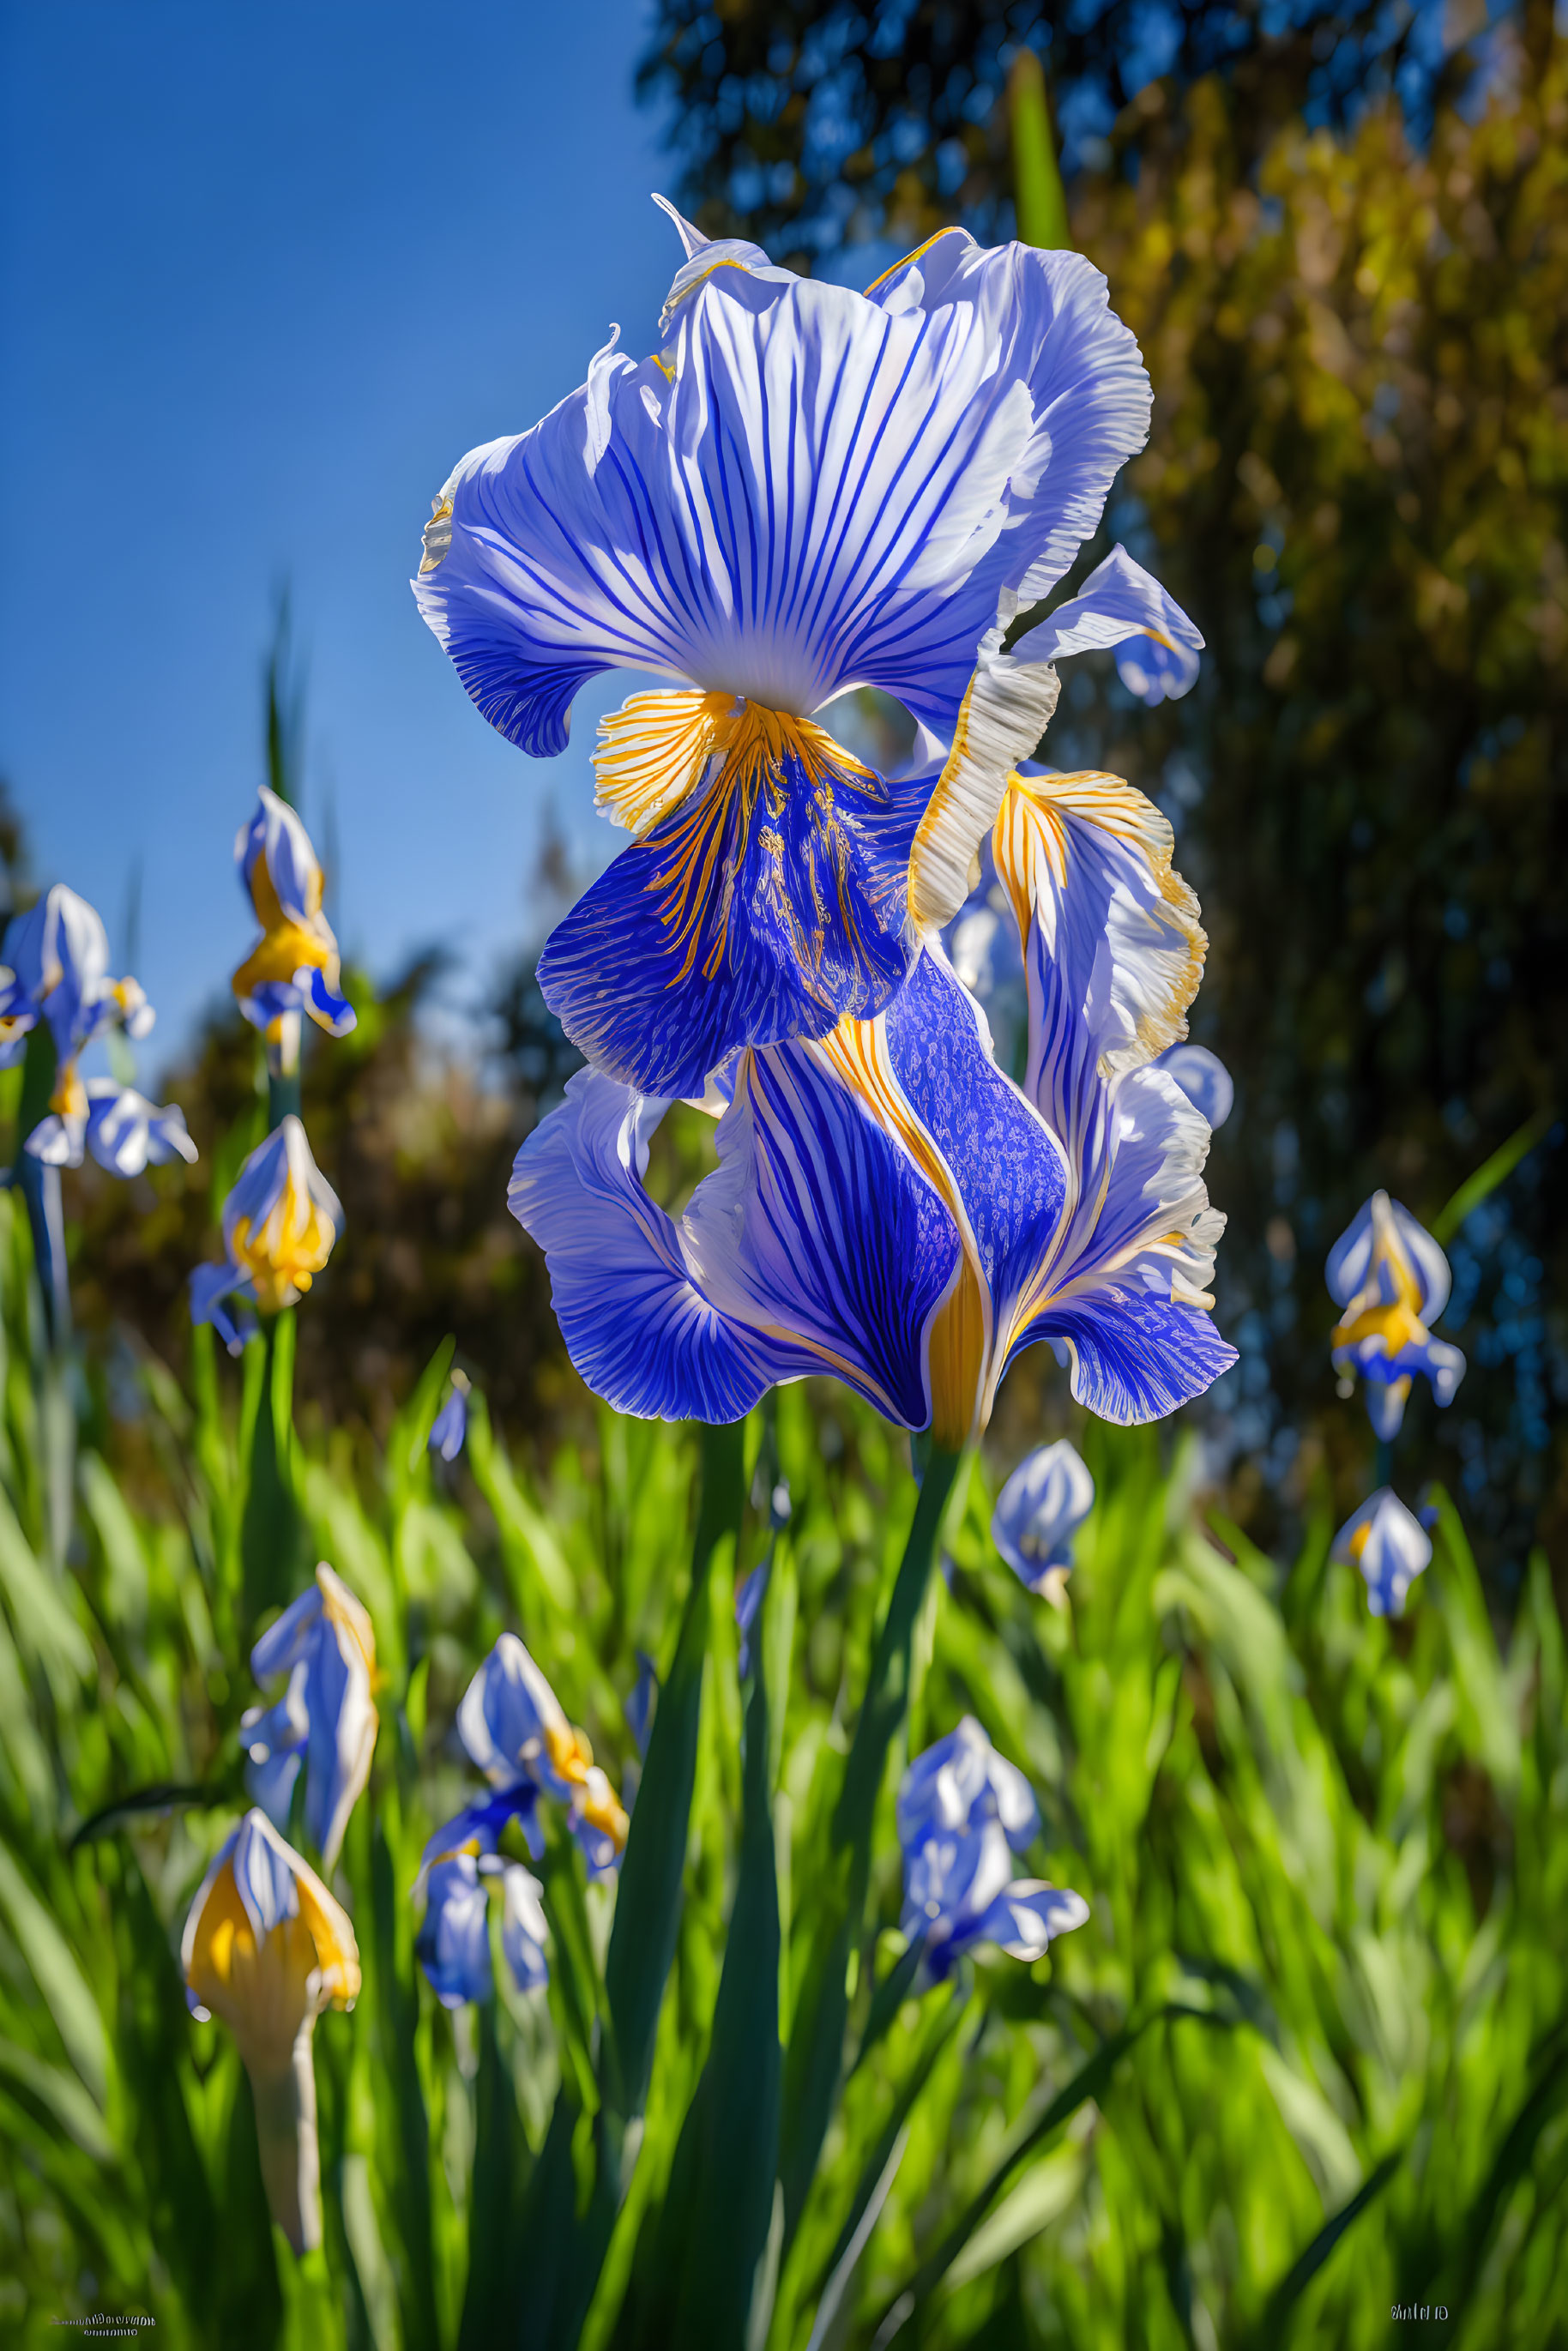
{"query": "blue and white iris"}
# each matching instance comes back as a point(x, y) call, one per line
point(963, 1813)
point(281, 1222)
point(450, 1426)
point(892, 1209)
point(515, 1730)
point(805, 490)
point(124, 1131)
point(57, 959)
point(517, 1733)
point(1391, 1280)
point(1389, 1545)
point(325, 1720)
point(460, 1870)
point(293, 966)
point(1038, 1512)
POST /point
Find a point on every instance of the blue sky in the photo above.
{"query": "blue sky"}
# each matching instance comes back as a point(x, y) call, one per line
point(268, 273)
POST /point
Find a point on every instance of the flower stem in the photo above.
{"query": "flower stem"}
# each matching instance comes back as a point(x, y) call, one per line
point(285, 2105)
point(40, 1186)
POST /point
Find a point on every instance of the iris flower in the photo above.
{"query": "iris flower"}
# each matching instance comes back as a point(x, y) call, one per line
point(460, 1868)
point(450, 1426)
point(279, 1223)
point(325, 1720)
point(889, 1208)
point(803, 491)
point(293, 966)
point(515, 1730)
point(1390, 1547)
point(124, 1131)
point(963, 1813)
point(1038, 1512)
point(57, 959)
point(266, 1949)
point(1391, 1280)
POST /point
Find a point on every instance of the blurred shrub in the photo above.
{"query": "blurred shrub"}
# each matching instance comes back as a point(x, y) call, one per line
point(1358, 483)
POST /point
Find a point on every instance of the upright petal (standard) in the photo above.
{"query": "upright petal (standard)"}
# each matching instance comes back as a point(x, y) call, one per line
point(805, 490)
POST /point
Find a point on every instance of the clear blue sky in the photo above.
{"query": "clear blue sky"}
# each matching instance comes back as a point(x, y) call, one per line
point(268, 273)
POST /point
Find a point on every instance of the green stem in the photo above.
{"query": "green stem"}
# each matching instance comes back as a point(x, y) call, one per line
point(817, 2040)
point(40, 1186)
point(282, 1098)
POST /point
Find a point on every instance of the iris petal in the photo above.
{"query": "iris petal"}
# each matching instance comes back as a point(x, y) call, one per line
point(1006, 1165)
point(807, 490)
point(765, 907)
point(816, 1245)
point(820, 1231)
point(1121, 604)
point(1134, 1357)
point(637, 1327)
point(1112, 946)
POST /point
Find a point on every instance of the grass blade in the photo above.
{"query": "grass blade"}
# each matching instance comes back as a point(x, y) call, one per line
point(1291, 2287)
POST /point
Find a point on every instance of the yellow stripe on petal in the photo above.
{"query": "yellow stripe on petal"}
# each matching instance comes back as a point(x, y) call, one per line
point(347, 1612)
point(1033, 844)
point(601, 1809)
point(949, 230)
point(958, 1348)
point(1388, 1306)
point(766, 754)
point(1004, 712)
point(652, 750)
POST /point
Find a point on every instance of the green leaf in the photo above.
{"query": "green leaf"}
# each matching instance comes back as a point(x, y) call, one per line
point(48, 1634)
point(526, 1538)
point(715, 2230)
point(648, 1903)
point(1291, 2287)
point(390, 1982)
point(59, 1978)
point(817, 2035)
point(879, 2166)
point(493, 2206)
point(1490, 1175)
point(1090, 2082)
point(269, 1528)
point(62, 2097)
point(164, 1796)
point(1513, 2160)
point(562, 2241)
